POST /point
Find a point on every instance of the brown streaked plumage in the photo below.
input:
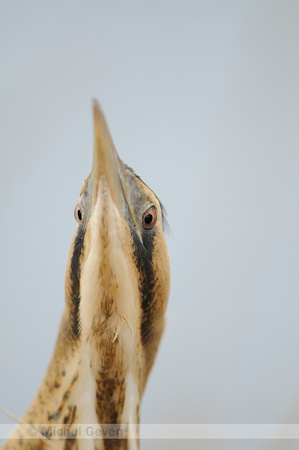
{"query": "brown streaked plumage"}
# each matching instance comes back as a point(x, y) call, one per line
point(116, 291)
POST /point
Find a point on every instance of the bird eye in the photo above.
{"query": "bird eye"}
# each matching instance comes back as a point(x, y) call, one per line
point(78, 214)
point(149, 218)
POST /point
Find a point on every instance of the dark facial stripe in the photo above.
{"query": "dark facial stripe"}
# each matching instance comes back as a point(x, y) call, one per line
point(75, 281)
point(143, 258)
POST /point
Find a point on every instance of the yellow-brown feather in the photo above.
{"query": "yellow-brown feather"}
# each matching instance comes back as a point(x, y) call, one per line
point(116, 291)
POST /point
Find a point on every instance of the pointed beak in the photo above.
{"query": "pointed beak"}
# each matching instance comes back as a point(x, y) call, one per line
point(105, 160)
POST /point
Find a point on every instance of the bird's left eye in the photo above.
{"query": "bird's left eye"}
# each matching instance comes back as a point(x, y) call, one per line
point(149, 218)
point(78, 214)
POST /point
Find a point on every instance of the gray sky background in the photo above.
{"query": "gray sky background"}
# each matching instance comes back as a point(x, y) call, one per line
point(202, 100)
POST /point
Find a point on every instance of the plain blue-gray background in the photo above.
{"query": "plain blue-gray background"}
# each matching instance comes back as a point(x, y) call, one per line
point(202, 100)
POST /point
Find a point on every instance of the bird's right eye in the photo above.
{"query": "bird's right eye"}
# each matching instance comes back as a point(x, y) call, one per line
point(78, 214)
point(149, 218)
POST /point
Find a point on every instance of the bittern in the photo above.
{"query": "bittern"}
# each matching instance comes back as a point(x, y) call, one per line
point(116, 292)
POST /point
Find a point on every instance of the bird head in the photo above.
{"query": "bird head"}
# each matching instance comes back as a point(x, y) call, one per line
point(118, 275)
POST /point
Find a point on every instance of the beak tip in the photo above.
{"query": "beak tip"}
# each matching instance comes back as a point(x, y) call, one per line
point(95, 103)
point(105, 159)
point(97, 110)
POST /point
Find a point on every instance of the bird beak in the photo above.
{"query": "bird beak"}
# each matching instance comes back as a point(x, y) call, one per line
point(105, 160)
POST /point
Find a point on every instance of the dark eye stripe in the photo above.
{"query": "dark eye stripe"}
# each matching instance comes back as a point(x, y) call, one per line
point(143, 253)
point(75, 280)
